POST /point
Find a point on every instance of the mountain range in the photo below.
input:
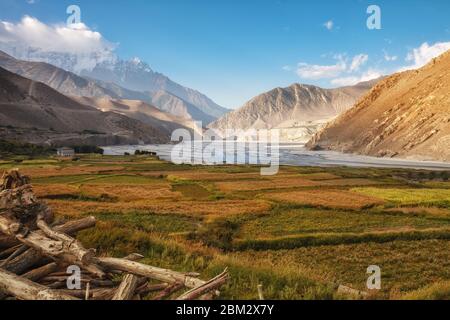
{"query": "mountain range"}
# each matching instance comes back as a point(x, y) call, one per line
point(137, 75)
point(63, 81)
point(298, 111)
point(406, 115)
point(33, 112)
point(117, 79)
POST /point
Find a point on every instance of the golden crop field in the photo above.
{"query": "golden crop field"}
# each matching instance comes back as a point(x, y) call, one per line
point(300, 234)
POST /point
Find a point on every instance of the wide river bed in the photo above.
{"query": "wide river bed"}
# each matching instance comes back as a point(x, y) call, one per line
point(297, 155)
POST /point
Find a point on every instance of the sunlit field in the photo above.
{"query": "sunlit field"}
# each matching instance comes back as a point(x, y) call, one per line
point(300, 234)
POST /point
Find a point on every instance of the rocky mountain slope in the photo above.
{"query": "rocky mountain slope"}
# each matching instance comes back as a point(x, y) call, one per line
point(130, 80)
point(138, 76)
point(406, 115)
point(63, 81)
point(139, 110)
point(161, 99)
point(177, 106)
point(299, 109)
point(33, 112)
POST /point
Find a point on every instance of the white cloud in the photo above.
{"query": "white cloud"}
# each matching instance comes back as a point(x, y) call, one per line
point(419, 57)
point(358, 61)
point(342, 65)
point(352, 80)
point(316, 72)
point(349, 71)
point(30, 35)
point(287, 68)
point(388, 57)
point(329, 25)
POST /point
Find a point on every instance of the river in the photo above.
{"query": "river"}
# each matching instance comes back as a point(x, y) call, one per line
point(298, 155)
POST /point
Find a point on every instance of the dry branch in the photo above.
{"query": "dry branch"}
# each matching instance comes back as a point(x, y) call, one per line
point(103, 294)
point(71, 228)
point(25, 289)
point(65, 249)
point(31, 257)
point(42, 272)
point(209, 286)
point(147, 271)
point(8, 252)
point(70, 246)
point(21, 249)
point(94, 294)
point(25, 261)
point(169, 291)
point(88, 291)
point(129, 283)
point(127, 288)
point(147, 288)
point(62, 280)
point(7, 242)
point(134, 257)
point(13, 179)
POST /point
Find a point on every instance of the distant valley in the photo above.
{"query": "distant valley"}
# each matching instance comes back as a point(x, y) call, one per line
point(405, 115)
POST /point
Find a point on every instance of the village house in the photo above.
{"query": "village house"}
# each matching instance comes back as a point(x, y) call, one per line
point(65, 152)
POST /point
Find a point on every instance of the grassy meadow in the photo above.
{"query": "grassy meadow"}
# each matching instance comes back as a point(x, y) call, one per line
point(300, 234)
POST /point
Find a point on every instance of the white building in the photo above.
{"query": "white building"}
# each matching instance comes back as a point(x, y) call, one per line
point(65, 152)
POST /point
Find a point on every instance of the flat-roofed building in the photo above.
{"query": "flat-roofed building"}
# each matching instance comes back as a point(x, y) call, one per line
point(65, 152)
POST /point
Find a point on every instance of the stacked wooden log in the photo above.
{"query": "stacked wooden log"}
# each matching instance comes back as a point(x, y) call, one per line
point(37, 256)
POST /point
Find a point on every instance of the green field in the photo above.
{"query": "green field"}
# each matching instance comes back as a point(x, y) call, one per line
point(300, 234)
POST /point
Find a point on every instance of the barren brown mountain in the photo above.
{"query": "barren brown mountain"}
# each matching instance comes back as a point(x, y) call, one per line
point(33, 112)
point(299, 110)
point(71, 84)
point(63, 81)
point(406, 115)
point(139, 110)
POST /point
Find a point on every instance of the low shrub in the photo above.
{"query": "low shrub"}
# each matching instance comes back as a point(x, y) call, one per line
point(219, 234)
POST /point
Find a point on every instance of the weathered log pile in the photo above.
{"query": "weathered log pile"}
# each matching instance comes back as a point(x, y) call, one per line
point(36, 254)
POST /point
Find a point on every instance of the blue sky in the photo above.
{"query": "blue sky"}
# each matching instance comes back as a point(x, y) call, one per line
point(232, 50)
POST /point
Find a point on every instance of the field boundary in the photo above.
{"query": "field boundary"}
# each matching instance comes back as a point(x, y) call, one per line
point(297, 241)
